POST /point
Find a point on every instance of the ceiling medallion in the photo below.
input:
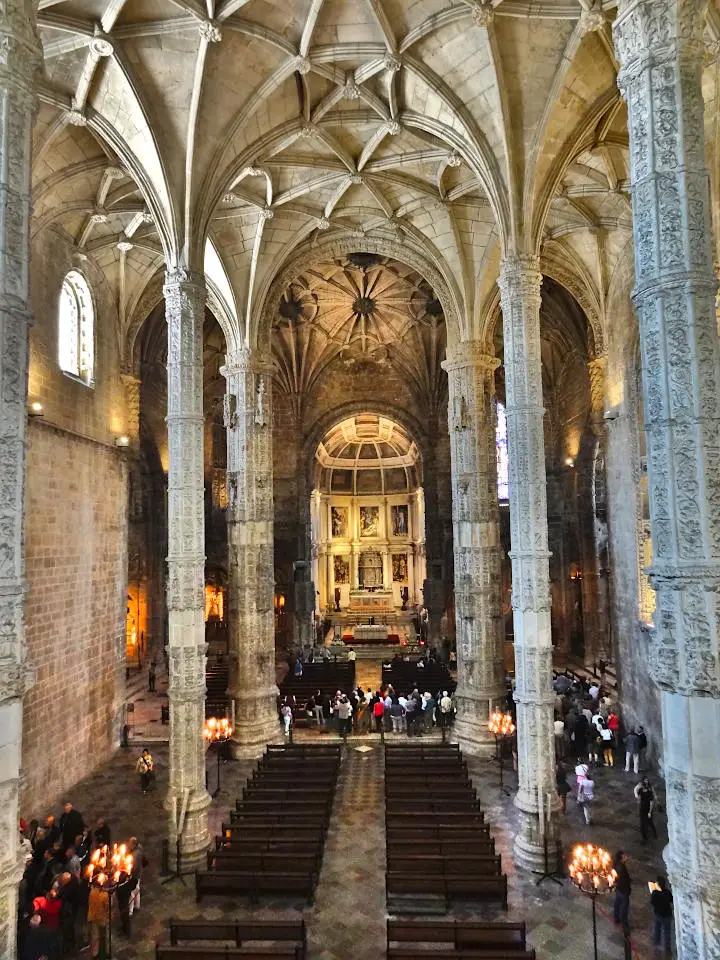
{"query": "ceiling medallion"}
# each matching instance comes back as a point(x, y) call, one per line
point(364, 306)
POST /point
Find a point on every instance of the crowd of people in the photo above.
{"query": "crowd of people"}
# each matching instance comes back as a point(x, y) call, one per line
point(60, 913)
point(364, 711)
point(590, 733)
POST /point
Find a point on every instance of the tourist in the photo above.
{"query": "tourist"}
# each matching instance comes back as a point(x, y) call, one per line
point(623, 888)
point(594, 691)
point(661, 901)
point(69, 896)
point(563, 787)
point(40, 943)
point(632, 752)
point(318, 708)
point(71, 824)
point(446, 709)
point(607, 742)
point(428, 706)
point(586, 795)
point(101, 834)
point(144, 767)
point(559, 733)
point(98, 917)
point(352, 656)
point(581, 734)
point(344, 712)
point(642, 746)
point(397, 714)
point(139, 864)
point(645, 795)
point(298, 668)
point(581, 771)
point(152, 677)
point(378, 712)
point(73, 863)
point(287, 715)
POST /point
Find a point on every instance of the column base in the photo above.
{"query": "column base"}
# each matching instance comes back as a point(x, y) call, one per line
point(256, 723)
point(529, 845)
point(475, 739)
point(195, 838)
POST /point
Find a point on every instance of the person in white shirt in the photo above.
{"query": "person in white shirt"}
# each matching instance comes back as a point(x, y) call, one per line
point(586, 795)
point(352, 656)
point(559, 730)
point(581, 771)
point(594, 691)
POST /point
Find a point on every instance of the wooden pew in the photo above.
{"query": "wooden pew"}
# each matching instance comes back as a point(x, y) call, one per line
point(241, 932)
point(255, 884)
point(438, 864)
point(243, 844)
point(484, 846)
point(449, 887)
point(459, 934)
point(290, 861)
point(189, 951)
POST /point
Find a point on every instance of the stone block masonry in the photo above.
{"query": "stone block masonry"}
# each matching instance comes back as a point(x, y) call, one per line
point(76, 566)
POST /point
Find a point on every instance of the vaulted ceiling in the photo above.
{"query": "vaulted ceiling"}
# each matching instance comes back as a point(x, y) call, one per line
point(440, 132)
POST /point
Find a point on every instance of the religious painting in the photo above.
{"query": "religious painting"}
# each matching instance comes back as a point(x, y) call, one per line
point(341, 569)
point(399, 516)
point(339, 520)
point(399, 567)
point(369, 521)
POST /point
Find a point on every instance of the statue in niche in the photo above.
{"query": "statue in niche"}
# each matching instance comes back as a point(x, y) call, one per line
point(462, 414)
point(259, 402)
point(230, 411)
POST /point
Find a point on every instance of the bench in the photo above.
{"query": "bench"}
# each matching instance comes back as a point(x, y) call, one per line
point(449, 848)
point(498, 953)
point(459, 934)
point(255, 883)
point(439, 832)
point(197, 952)
point(450, 887)
point(416, 818)
point(240, 932)
point(271, 844)
point(284, 861)
point(232, 832)
point(438, 864)
point(259, 790)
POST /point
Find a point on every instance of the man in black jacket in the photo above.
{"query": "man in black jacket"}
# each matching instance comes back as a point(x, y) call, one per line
point(71, 824)
point(623, 888)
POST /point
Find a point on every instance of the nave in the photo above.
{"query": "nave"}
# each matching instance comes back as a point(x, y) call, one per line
point(348, 917)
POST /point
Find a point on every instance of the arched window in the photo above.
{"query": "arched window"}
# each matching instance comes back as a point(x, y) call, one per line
point(76, 321)
point(501, 449)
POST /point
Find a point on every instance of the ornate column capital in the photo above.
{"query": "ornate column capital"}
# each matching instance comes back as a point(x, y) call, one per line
point(652, 32)
point(245, 360)
point(520, 277)
point(470, 353)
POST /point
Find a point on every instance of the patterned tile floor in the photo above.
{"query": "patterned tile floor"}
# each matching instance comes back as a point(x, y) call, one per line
point(347, 921)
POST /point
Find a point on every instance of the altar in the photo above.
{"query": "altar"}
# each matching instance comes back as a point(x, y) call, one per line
point(370, 633)
point(371, 602)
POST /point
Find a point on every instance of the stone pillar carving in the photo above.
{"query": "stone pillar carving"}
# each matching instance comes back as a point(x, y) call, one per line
point(476, 540)
point(519, 283)
point(660, 47)
point(593, 525)
point(132, 387)
point(248, 420)
point(20, 55)
point(187, 800)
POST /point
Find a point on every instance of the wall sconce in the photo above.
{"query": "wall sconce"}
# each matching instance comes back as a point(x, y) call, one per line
point(569, 462)
point(36, 409)
point(123, 441)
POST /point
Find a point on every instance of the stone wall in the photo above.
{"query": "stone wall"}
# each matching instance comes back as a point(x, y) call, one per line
point(76, 541)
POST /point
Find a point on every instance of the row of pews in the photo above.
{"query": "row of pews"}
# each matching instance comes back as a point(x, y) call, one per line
point(438, 846)
point(273, 844)
point(241, 940)
point(439, 852)
point(405, 675)
point(456, 940)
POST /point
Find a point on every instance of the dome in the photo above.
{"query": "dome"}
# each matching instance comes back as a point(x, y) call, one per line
point(367, 454)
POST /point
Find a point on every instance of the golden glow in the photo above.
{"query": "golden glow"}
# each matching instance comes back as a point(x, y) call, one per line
point(214, 602)
point(591, 869)
point(135, 621)
point(110, 866)
point(217, 728)
point(501, 724)
point(36, 407)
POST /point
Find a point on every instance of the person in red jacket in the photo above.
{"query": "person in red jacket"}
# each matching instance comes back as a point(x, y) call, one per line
point(379, 712)
point(48, 907)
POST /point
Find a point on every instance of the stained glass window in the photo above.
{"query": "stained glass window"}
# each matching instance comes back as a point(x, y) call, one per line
point(76, 321)
point(501, 450)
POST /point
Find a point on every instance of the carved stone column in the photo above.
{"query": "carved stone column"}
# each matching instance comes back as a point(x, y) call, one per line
point(20, 55)
point(660, 46)
point(476, 541)
point(187, 800)
point(248, 420)
point(519, 283)
point(593, 526)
